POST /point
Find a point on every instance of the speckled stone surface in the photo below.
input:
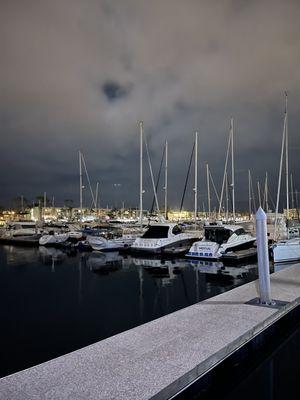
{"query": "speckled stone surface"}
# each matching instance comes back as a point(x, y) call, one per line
point(157, 359)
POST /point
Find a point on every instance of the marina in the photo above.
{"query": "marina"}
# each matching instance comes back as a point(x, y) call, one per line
point(149, 204)
point(161, 364)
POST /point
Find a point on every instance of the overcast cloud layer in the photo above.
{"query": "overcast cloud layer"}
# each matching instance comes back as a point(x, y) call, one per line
point(81, 74)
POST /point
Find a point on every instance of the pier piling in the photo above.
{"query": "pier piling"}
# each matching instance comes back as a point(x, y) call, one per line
point(263, 257)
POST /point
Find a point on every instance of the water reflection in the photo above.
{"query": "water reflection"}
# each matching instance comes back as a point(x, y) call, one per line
point(104, 262)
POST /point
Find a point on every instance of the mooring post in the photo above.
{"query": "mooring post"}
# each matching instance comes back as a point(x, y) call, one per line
point(263, 257)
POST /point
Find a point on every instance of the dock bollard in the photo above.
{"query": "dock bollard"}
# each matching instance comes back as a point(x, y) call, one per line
point(263, 257)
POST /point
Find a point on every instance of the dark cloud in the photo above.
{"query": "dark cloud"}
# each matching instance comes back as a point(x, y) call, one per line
point(114, 91)
point(179, 66)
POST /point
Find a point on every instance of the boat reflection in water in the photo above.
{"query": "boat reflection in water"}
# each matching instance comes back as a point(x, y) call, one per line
point(217, 270)
point(51, 256)
point(104, 262)
point(164, 269)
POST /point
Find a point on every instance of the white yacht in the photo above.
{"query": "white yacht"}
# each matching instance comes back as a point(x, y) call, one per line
point(117, 243)
point(114, 240)
point(21, 228)
point(286, 250)
point(53, 239)
point(165, 238)
point(220, 239)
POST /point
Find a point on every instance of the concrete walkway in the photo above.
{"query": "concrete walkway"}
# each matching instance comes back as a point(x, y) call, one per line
point(157, 359)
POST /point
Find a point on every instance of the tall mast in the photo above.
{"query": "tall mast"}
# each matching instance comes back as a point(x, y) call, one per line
point(96, 197)
point(196, 178)
point(249, 193)
point(266, 200)
point(232, 171)
point(141, 173)
point(80, 185)
point(287, 157)
point(292, 192)
point(166, 180)
point(227, 197)
point(280, 169)
point(259, 195)
point(225, 172)
point(208, 190)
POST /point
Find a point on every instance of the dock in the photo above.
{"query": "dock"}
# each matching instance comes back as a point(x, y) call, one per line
point(161, 358)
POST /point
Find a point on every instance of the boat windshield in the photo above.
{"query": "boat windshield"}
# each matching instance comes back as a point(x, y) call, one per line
point(217, 235)
point(156, 232)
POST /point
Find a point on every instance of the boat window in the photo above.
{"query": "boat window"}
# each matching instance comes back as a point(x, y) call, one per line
point(240, 231)
point(176, 230)
point(156, 232)
point(217, 235)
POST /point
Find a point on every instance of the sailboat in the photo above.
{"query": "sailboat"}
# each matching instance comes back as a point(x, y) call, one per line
point(289, 249)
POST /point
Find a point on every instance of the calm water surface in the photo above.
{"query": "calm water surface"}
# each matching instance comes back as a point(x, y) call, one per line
point(52, 302)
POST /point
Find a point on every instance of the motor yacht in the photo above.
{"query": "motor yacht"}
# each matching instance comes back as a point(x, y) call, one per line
point(220, 239)
point(165, 238)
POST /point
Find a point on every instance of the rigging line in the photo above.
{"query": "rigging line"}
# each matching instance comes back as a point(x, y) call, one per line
point(88, 179)
point(158, 178)
point(151, 173)
point(214, 187)
point(253, 195)
point(187, 177)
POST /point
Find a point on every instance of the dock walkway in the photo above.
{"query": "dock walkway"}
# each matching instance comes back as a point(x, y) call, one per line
point(159, 358)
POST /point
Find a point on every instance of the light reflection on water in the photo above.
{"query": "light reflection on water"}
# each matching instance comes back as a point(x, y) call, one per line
point(55, 301)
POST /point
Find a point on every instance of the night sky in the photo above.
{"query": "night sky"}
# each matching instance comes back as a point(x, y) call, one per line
point(81, 74)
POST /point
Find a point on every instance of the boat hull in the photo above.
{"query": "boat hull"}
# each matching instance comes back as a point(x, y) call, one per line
point(286, 251)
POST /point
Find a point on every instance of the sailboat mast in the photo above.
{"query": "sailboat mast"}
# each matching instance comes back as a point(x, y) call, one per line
point(292, 192)
point(287, 157)
point(266, 193)
point(208, 190)
point(141, 173)
point(259, 195)
point(249, 193)
point(280, 172)
point(96, 197)
point(227, 197)
point(225, 172)
point(232, 171)
point(80, 185)
point(196, 178)
point(166, 180)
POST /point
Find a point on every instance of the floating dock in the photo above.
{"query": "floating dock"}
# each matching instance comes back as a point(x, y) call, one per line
point(161, 358)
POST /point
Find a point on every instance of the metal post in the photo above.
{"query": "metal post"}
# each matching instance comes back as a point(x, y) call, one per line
point(263, 257)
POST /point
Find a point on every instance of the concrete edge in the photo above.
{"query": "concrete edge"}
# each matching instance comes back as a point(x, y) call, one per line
point(206, 366)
